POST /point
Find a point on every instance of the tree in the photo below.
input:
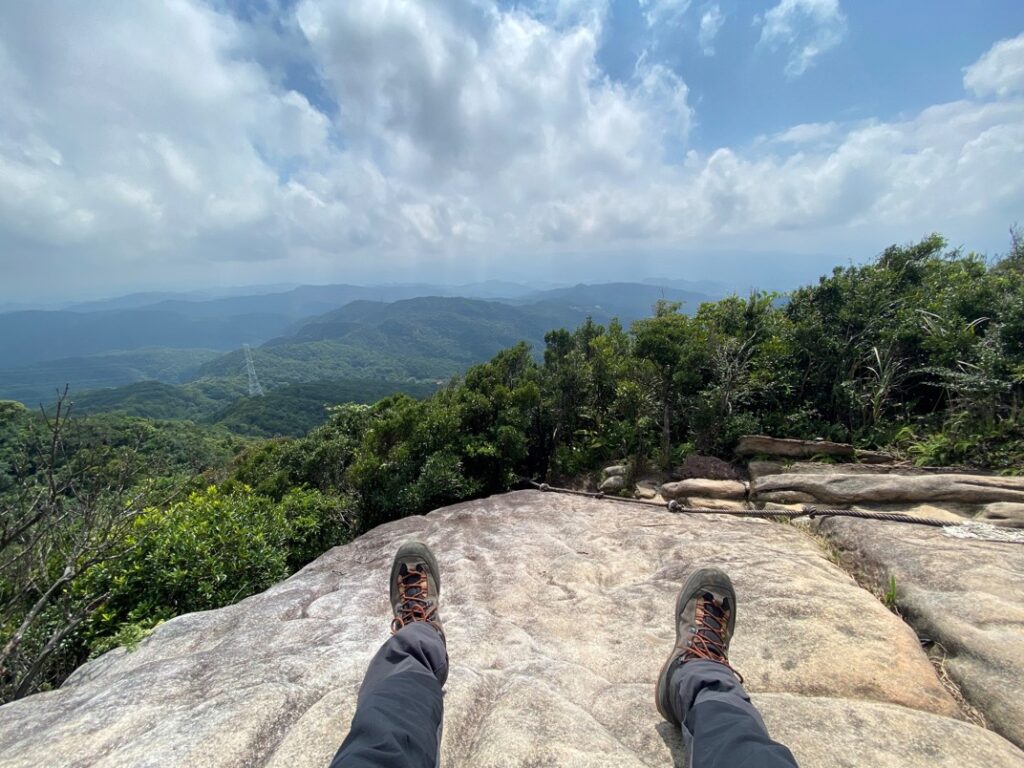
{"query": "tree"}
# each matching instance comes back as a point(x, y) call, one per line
point(68, 513)
point(670, 342)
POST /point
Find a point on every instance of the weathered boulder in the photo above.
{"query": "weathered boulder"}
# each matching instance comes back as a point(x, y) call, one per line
point(708, 467)
point(825, 468)
point(707, 503)
point(891, 489)
point(558, 613)
point(872, 457)
point(713, 489)
point(758, 469)
point(646, 491)
point(966, 596)
point(784, 497)
point(949, 513)
point(756, 445)
point(616, 470)
point(612, 484)
point(1003, 513)
point(850, 468)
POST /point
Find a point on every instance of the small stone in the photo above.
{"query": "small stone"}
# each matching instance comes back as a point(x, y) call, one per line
point(723, 504)
point(615, 470)
point(715, 489)
point(612, 484)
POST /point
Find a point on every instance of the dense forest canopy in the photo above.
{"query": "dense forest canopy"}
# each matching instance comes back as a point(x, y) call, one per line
point(111, 524)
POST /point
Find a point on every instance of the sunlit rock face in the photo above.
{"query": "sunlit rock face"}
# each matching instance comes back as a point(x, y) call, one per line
point(558, 613)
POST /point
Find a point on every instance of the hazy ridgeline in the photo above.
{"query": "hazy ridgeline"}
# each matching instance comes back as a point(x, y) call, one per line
point(112, 523)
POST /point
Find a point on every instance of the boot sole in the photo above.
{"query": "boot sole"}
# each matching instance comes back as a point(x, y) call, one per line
point(705, 577)
point(415, 549)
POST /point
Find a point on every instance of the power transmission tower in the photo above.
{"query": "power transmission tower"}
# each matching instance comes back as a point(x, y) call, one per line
point(255, 390)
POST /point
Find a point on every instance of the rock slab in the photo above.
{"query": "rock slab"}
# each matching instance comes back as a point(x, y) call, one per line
point(710, 489)
point(788, 448)
point(612, 484)
point(967, 596)
point(558, 613)
point(889, 489)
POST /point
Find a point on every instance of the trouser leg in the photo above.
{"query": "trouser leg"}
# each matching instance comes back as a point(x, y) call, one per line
point(723, 728)
point(400, 707)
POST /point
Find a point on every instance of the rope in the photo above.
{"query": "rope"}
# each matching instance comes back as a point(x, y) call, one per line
point(965, 530)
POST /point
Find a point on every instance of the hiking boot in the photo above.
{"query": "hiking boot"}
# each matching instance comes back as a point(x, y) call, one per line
point(415, 586)
point(705, 617)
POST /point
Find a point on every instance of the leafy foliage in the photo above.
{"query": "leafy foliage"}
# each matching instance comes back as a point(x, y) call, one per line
point(295, 409)
point(920, 351)
point(37, 382)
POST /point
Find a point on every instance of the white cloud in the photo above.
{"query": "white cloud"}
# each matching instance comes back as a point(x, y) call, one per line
point(710, 23)
point(807, 28)
point(493, 107)
point(666, 12)
point(806, 133)
point(1000, 72)
point(143, 142)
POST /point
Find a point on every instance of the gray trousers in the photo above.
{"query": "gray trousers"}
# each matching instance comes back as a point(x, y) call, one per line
point(401, 708)
point(720, 724)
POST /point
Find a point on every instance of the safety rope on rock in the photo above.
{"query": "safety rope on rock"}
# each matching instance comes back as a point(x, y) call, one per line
point(966, 530)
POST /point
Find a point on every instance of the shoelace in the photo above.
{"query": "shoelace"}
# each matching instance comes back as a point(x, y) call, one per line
point(414, 602)
point(708, 642)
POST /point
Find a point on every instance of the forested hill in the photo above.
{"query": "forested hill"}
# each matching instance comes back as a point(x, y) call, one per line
point(419, 338)
point(920, 353)
point(157, 337)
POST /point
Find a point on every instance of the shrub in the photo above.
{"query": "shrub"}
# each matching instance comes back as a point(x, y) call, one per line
point(207, 551)
point(316, 522)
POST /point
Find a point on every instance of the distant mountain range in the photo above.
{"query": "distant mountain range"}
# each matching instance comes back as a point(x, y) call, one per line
point(396, 335)
point(415, 339)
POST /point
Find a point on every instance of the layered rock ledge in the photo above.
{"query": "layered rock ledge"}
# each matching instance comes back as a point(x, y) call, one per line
point(965, 597)
point(558, 611)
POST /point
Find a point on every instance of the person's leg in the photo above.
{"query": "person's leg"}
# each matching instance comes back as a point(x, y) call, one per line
point(400, 707)
point(719, 722)
point(701, 693)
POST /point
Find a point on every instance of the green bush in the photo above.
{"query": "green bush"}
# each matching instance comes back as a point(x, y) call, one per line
point(209, 550)
point(316, 522)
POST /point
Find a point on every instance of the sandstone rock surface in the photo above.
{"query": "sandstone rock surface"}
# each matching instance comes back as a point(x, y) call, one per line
point(558, 612)
point(1003, 513)
point(824, 468)
point(890, 489)
point(708, 503)
point(951, 513)
point(754, 445)
point(967, 596)
point(613, 484)
point(709, 467)
point(712, 489)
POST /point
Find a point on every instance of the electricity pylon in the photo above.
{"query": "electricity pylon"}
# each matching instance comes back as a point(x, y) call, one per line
point(255, 390)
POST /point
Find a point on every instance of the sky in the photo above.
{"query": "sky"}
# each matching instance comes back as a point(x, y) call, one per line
point(186, 144)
